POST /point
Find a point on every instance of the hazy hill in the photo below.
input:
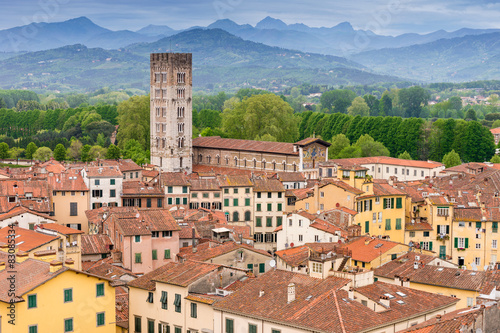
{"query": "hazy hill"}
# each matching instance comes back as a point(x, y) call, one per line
point(221, 61)
point(458, 59)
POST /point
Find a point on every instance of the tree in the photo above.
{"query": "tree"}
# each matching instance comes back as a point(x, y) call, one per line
point(30, 150)
point(359, 107)
point(43, 154)
point(495, 159)
point(405, 156)
point(470, 115)
point(15, 152)
point(496, 124)
point(133, 118)
point(451, 159)
point(266, 137)
point(60, 153)
point(4, 150)
point(370, 147)
point(477, 144)
point(74, 150)
point(350, 152)
point(259, 115)
point(97, 152)
point(101, 140)
point(209, 118)
point(337, 100)
point(455, 103)
point(134, 151)
point(339, 142)
point(412, 99)
point(113, 152)
point(2, 103)
point(85, 153)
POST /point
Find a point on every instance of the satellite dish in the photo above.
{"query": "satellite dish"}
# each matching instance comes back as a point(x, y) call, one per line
point(272, 263)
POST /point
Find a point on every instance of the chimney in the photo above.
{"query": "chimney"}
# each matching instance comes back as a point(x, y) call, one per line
point(406, 282)
point(21, 257)
point(438, 317)
point(193, 239)
point(385, 301)
point(70, 263)
point(261, 293)
point(55, 266)
point(291, 292)
point(351, 293)
point(397, 280)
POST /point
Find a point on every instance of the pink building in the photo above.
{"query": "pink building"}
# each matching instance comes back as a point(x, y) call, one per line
point(496, 134)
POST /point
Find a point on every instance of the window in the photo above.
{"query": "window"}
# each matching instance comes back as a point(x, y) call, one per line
point(247, 190)
point(307, 205)
point(258, 221)
point(166, 233)
point(170, 189)
point(73, 209)
point(443, 211)
point(262, 268)
point(68, 295)
point(275, 331)
point(388, 203)
point(138, 258)
point(137, 324)
point(462, 243)
point(380, 217)
point(96, 193)
point(259, 195)
point(248, 215)
point(164, 300)
point(236, 216)
point(316, 238)
point(184, 189)
point(494, 244)
point(280, 207)
point(154, 254)
point(269, 195)
point(31, 301)
point(426, 233)
point(151, 326)
point(97, 182)
point(252, 328)
point(399, 203)
point(494, 227)
point(100, 319)
point(68, 325)
point(178, 330)
point(194, 310)
point(259, 207)
point(269, 221)
point(317, 267)
point(412, 233)
point(279, 221)
point(477, 261)
point(388, 224)
point(150, 297)
point(166, 254)
point(247, 202)
point(99, 289)
point(301, 238)
point(461, 224)
point(111, 182)
point(235, 203)
point(137, 238)
point(177, 303)
point(478, 246)
point(269, 207)
point(229, 325)
point(34, 329)
point(426, 246)
point(470, 301)
point(112, 193)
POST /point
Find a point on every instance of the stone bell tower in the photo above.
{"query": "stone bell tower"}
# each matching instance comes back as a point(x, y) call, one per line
point(171, 111)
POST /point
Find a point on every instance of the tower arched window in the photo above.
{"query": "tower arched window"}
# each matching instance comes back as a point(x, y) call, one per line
point(236, 216)
point(236, 161)
point(284, 166)
point(217, 158)
point(200, 158)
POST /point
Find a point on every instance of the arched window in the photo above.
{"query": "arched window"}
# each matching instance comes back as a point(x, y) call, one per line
point(236, 216)
point(180, 162)
point(263, 164)
point(227, 160)
point(209, 158)
point(254, 163)
point(274, 165)
point(284, 165)
point(218, 159)
point(158, 142)
point(163, 141)
point(200, 158)
point(235, 161)
point(247, 215)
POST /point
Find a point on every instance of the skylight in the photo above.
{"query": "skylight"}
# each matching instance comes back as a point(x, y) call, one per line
point(400, 302)
point(389, 295)
point(401, 294)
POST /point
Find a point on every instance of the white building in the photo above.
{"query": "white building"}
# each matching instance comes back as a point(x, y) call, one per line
point(25, 218)
point(104, 184)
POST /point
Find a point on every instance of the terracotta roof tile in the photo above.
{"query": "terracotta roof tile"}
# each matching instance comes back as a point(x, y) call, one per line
point(210, 250)
point(267, 185)
point(27, 240)
point(61, 229)
point(106, 269)
point(69, 181)
point(294, 256)
point(205, 185)
point(418, 226)
point(103, 172)
point(291, 176)
point(368, 252)
point(140, 188)
point(449, 322)
point(18, 210)
point(174, 179)
point(211, 170)
point(96, 244)
point(234, 181)
point(216, 142)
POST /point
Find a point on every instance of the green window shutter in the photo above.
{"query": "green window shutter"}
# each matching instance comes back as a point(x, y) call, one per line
point(456, 242)
point(371, 206)
point(399, 203)
point(229, 326)
point(367, 227)
point(167, 254)
point(388, 224)
point(226, 202)
point(398, 224)
point(258, 221)
point(250, 266)
point(279, 221)
point(262, 268)
point(68, 295)
point(184, 201)
point(169, 201)
point(177, 201)
point(392, 202)
point(194, 310)
point(138, 324)
point(33, 329)
point(101, 320)
point(478, 225)
point(68, 325)
point(259, 207)
point(31, 301)
point(235, 202)
point(184, 189)
point(269, 207)
point(178, 330)
point(170, 189)
point(430, 246)
point(494, 225)
point(100, 289)
point(269, 221)
point(154, 255)
point(138, 258)
point(280, 207)
point(385, 203)
point(421, 245)
point(467, 243)
point(247, 202)
point(252, 328)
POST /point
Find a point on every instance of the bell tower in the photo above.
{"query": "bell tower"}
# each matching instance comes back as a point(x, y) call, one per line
point(171, 111)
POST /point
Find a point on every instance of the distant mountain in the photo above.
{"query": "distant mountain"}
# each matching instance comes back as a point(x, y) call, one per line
point(221, 61)
point(157, 30)
point(44, 36)
point(472, 57)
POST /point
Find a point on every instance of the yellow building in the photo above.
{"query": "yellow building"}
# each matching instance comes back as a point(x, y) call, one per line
point(382, 211)
point(70, 199)
point(434, 275)
point(50, 297)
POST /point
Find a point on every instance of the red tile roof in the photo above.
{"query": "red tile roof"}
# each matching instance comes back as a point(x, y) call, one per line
point(106, 269)
point(174, 179)
point(61, 229)
point(140, 188)
point(449, 322)
point(216, 142)
point(234, 181)
point(291, 176)
point(103, 172)
point(418, 226)
point(70, 181)
point(267, 185)
point(371, 251)
point(96, 244)
point(294, 256)
point(27, 240)
point(210, 250)
point(204, 185)
point(18, 210)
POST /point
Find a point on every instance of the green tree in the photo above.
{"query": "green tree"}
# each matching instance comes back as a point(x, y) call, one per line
point(350, 152)
point(43, 154)
point(15, 152)
point(369, 147)
point(373, 103)
point(133, 118)
point(85, 153)
point(209, 118)
point(2, 103)
point(470, 115)
point(74, 150)
point(339, 142)
point(101, 140)
point(412, 99)
point(405, 156)
point(337, 100)
point(30, 150)
point(478, 144)
point(113, 152)
point(495, 159)
point(259, 115)
point(451, 159)
point(60, 153)
point(385, 107)
point(455, 103)
point(134, 151)
point(97, 152)
point(496, 124)
point(4, 150)
point(359, 107)
point(266, 137)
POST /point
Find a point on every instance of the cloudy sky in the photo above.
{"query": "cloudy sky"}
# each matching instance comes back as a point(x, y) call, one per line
point(389, 17)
